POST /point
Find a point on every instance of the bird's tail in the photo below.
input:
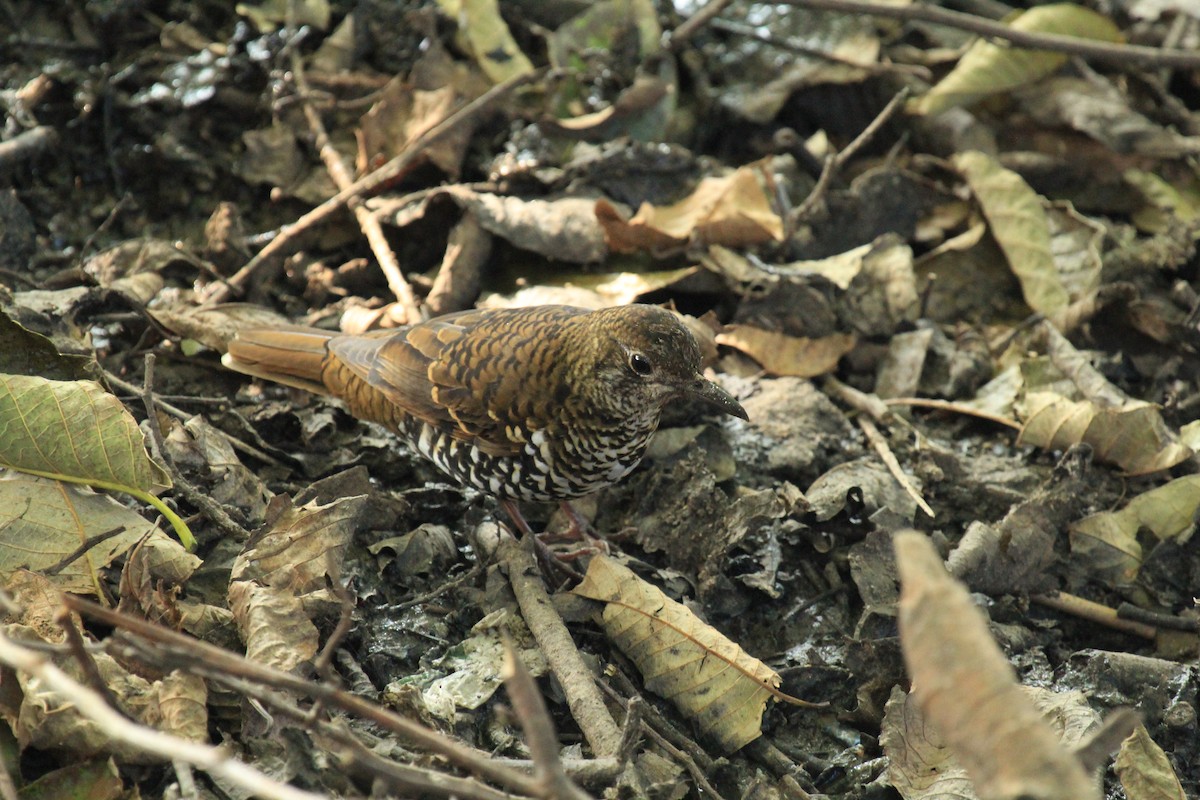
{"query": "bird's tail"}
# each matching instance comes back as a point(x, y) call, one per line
point(292, 355)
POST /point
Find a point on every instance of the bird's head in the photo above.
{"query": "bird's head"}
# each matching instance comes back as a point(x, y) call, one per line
point(644, 358)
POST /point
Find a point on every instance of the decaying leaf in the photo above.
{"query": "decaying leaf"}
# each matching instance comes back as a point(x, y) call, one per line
point(781, 354)
point(1108, 542)
point(1134, 436)
point(968, 691)
point(994, 67)
point(1145, 771)
point(282, 577)
point(708, 677)
point(42, 522)
point(1017, 217)
point(176, 704)
point(733, 210)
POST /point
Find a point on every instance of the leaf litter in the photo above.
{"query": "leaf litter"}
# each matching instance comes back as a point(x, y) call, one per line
point(890, 295)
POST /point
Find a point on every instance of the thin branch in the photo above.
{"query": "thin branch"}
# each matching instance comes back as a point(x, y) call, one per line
point(836, 162)
point(540, 735)
point(92, 706)
point(889, 459)
point(278, 247)
point(1095, 612)
point(1118, 54)
point(578, 684)
point(693, 24)
point(342, 178)
point(190, 652)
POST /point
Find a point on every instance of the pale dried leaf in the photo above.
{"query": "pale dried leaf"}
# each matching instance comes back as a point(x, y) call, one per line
point(733, 210)
point(273, 624)
point(1017, 217)
point(1133, 437)
point(920, 764)
point(709, 678)
point(781, 354)
point(969, 691)
point(303, 547)
point(1108, 542)
point(1145, 771)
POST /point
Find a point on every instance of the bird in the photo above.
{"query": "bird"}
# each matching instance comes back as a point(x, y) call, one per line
point(530, 404)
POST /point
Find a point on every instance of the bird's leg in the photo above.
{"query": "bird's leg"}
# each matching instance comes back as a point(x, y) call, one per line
point(545, 555)
point(581, 529)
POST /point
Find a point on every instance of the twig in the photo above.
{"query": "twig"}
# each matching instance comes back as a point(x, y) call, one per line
point(862, 402)
point(872, 68)
point(1095, 612)
point(1117, 54)
point(211, 508)
point(277, 248)
point(1131, 612)
point(79, 651)
point(889, 459)
point(321, 666)
point(690, 755)
point(88, 544)
point(191, 654)
point(535, 720)
point(237, 444)
point(835, 162)
point(367, 221)
point(25, 146)
point(693, 24)
point(957, 408)
point(92, 706)
point(406, 780)
point(583, 698)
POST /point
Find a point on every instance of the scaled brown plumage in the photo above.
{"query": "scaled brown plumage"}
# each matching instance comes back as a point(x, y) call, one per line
point(539, 403)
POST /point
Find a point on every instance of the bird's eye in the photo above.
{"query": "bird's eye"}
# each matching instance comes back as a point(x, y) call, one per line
point(640, 364)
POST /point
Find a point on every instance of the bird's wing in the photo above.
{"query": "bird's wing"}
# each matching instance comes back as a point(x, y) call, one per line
point(467, 373)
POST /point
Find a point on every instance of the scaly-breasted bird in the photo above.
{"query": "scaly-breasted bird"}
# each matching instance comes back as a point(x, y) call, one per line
point(539, 403)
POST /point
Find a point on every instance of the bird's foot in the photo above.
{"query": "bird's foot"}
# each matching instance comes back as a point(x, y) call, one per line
point(551, 562)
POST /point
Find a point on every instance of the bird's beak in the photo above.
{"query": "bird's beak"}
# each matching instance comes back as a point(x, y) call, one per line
point(709, 392)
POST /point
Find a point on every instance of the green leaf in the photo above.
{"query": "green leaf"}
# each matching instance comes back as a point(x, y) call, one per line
point(75, 431)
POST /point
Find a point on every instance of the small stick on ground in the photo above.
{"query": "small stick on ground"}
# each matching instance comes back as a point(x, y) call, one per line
point(889, 459)
point(1094, 612)
point(548, 628)
point(342, 178)
point(281, 244)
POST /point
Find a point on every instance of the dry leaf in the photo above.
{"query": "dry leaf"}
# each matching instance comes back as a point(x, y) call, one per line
point(734, 211)
point(1145, 771)
point(1108, 542)
point(781, 354)
point(709, 678)
point(967, 689)
point(1016, 215)
point(1134, 437)
point(992, 67)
